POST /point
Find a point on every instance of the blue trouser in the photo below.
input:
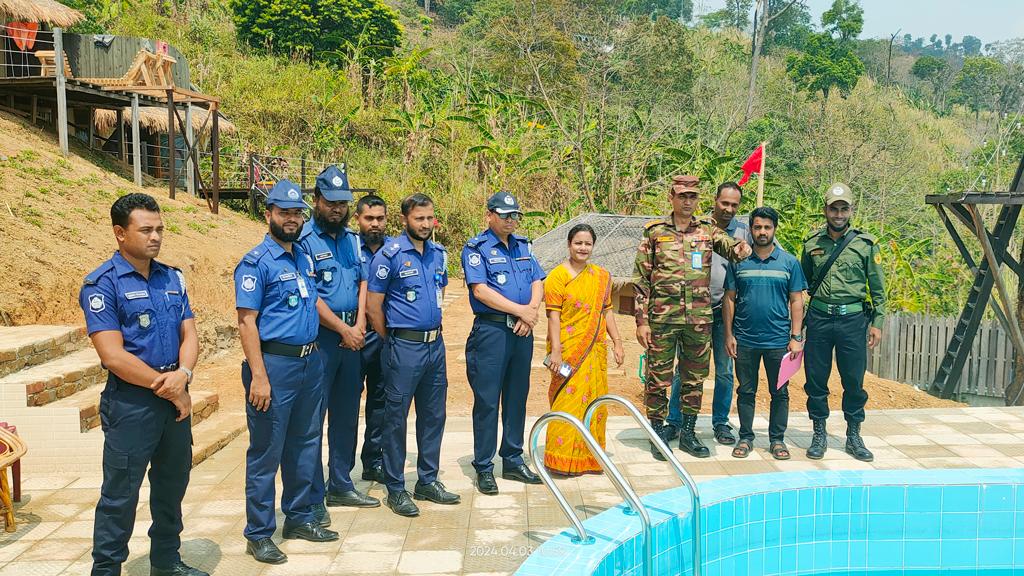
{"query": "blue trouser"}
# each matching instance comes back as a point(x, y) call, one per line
point(413, 370)
point(286, 436)
point(374, 412)
point(140, 431)
point(722, 400)
point(498, 368)
point(341, 390)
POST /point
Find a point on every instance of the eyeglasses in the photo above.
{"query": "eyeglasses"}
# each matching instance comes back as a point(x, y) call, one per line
point(516, 216)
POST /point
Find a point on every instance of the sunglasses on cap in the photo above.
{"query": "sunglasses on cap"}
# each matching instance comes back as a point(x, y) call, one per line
point(516, 216)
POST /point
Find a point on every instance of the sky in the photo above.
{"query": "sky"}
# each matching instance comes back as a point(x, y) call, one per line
point(990, 20)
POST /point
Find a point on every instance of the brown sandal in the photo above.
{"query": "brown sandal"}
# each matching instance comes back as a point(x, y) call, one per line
point(779, 451)
point(742, 449)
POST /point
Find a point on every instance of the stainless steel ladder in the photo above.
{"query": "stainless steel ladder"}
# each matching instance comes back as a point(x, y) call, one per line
point(633, 503)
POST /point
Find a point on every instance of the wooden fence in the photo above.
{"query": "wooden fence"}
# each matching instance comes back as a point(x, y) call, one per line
point(913, 346)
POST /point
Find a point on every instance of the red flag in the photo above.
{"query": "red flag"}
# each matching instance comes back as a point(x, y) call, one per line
point(752, 165)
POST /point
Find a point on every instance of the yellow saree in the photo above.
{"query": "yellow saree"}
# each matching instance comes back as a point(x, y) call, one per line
point(582, 302)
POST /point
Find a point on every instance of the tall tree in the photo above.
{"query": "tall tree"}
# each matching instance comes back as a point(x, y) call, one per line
point(736, 14)
point(978, 84)
point(764, 16)
point(934, 71)
point(681, 10)
point(829, 62)
point(972, 45)
point(790, 29)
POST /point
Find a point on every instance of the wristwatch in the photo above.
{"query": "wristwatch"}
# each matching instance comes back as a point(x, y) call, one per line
point(187, 372)
point(797, 337)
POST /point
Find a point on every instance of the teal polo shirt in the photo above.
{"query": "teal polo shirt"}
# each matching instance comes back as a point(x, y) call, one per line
point(762, 298)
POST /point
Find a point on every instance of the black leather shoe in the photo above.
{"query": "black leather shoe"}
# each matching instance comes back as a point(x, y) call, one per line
point(401, 504)
point(264, 550)
point(671, 432)
point(855, 444)
point(521, 473)
point(353, 498)
point(374, 474)
point(485, 483)
point(179, 569)
point(435, 492)
point(311, 531)
point(819, 442)
point(323, 518)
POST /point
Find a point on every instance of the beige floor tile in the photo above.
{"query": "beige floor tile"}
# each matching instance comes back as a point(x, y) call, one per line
point(350, 563)
point(57, 548)
point(40, 568)
point(300, 565)
point(441, 561)
point(381, 541)
point(436, 539)
point(933, 451)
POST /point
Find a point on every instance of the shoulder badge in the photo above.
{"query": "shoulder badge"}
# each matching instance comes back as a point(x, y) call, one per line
point(869, 238)
point(391, 249)
point(475, 241)
point(653, 223)
point(254, 255)
point(878, 258)
point(94, 276)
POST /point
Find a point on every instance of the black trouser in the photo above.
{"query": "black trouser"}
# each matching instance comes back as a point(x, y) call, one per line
point(371, 454)
point(748, 361)
point(847, 335)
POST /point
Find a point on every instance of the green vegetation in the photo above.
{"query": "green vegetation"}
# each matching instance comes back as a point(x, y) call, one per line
point(590, 105)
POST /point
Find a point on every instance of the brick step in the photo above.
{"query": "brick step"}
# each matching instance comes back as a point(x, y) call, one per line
point(26, 346)
point(214, 433)
point(51, 381)
point(87, 402)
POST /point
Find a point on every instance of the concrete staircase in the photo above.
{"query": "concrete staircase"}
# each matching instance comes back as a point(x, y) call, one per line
point(50, 384)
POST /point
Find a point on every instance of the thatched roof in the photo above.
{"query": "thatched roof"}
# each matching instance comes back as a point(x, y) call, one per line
point(154, 119)
point(617, 239)
point(48, 11)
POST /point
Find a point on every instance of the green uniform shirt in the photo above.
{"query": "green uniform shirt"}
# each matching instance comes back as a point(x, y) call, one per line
point(855, 274)
point(672, 276)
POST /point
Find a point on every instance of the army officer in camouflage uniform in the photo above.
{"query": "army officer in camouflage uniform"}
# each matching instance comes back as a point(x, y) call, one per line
point(673, 306)
point(840, 317)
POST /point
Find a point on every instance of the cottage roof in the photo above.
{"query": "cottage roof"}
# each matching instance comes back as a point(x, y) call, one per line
point(48, 11)
point(617, 239)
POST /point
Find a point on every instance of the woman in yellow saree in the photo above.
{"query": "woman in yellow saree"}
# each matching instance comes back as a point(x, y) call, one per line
point(577, 295)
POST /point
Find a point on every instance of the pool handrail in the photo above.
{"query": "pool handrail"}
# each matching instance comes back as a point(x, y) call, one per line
point(633, 502)
point(667, 453)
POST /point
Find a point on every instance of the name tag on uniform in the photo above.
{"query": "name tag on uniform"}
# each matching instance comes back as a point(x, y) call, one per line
point(303, 291)
point(322, 256)
point(171, 292)
point(665, 239)
point(696, 260)
point(498, 260)
point(524, 258)
point(409, 272)
point(818, 252)
point(288, 276)
point(136, 295)
point(437, 297)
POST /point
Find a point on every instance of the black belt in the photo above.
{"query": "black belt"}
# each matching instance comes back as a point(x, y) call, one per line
point(279, 349)
point(348, 317)
point(508, 320)
point(421, 336)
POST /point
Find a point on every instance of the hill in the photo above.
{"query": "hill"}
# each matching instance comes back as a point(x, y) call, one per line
point(55, 228)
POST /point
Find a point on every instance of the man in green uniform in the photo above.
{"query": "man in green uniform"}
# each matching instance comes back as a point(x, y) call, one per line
point(673, 307)
point(842, 318)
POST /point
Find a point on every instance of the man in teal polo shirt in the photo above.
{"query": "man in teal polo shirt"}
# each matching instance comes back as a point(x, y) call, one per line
point(763, 313)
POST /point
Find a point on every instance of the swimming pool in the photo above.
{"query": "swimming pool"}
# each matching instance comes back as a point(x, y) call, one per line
point(838, 523)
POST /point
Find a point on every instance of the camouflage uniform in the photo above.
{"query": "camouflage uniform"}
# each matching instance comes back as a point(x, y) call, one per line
point(674, 296)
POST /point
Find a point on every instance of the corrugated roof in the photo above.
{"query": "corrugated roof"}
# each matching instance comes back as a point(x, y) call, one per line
point(617, 239)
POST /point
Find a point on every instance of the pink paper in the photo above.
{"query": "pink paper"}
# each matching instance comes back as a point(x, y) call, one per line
point(788, 367)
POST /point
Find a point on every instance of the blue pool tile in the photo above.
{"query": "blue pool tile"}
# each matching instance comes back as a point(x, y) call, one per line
point(1018, 552)
point(958, 553)
point(788, 561)
point(805, 557)
point(885, 554)
point(858, 553)
point(772, 505)
point(858, 499)
point(923, 526)
point(772, 560)
point(739, 511)
point(840, 526)
point(924, 499)
point(921, 554)
point(805, 502)
point(885, 526)
point(839, 554)
point(996, 525)
point(996, 552)
point(997, 497)
point(772, 533)
point(960, 498)
point(755, 561)
point(725, 512)
point(886, 499)
point(755, 508)
point(713, 522)
point(840, 500)
point(959, 526)
point(755, 535)
point(805, 529)
point(858, 526)
point(823, 501)
point(822, 528)
point(789, 503)
point(789, 531)
point(821, 556)
point(1018, 501)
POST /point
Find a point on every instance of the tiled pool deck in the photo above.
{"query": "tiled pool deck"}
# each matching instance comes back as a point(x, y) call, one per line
point(485, 534)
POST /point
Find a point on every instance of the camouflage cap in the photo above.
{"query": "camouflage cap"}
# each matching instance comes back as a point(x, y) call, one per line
point(837, 192)
point(685, 183)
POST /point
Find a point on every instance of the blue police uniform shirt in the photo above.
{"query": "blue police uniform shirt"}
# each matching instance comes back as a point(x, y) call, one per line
point(509, 271)
point(338, 266)
point(281, 288)
point(411, 283)
point(147, 312)
point(762, 298)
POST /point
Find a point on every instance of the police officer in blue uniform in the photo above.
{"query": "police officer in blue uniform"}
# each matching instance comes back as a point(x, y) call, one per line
point(372, 216)
point(406, 288)
point(139, 319)
point(506, 287)
point(276, 299)
point(341, 284)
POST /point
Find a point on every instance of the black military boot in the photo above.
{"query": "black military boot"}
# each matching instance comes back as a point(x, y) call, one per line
point(819, 443)
point(688, 441)
point(855, 444)
point(663, 431)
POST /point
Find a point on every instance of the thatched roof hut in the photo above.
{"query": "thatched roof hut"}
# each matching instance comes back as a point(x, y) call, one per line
point(154, 119)
point(617, 239)
point(47, 11)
